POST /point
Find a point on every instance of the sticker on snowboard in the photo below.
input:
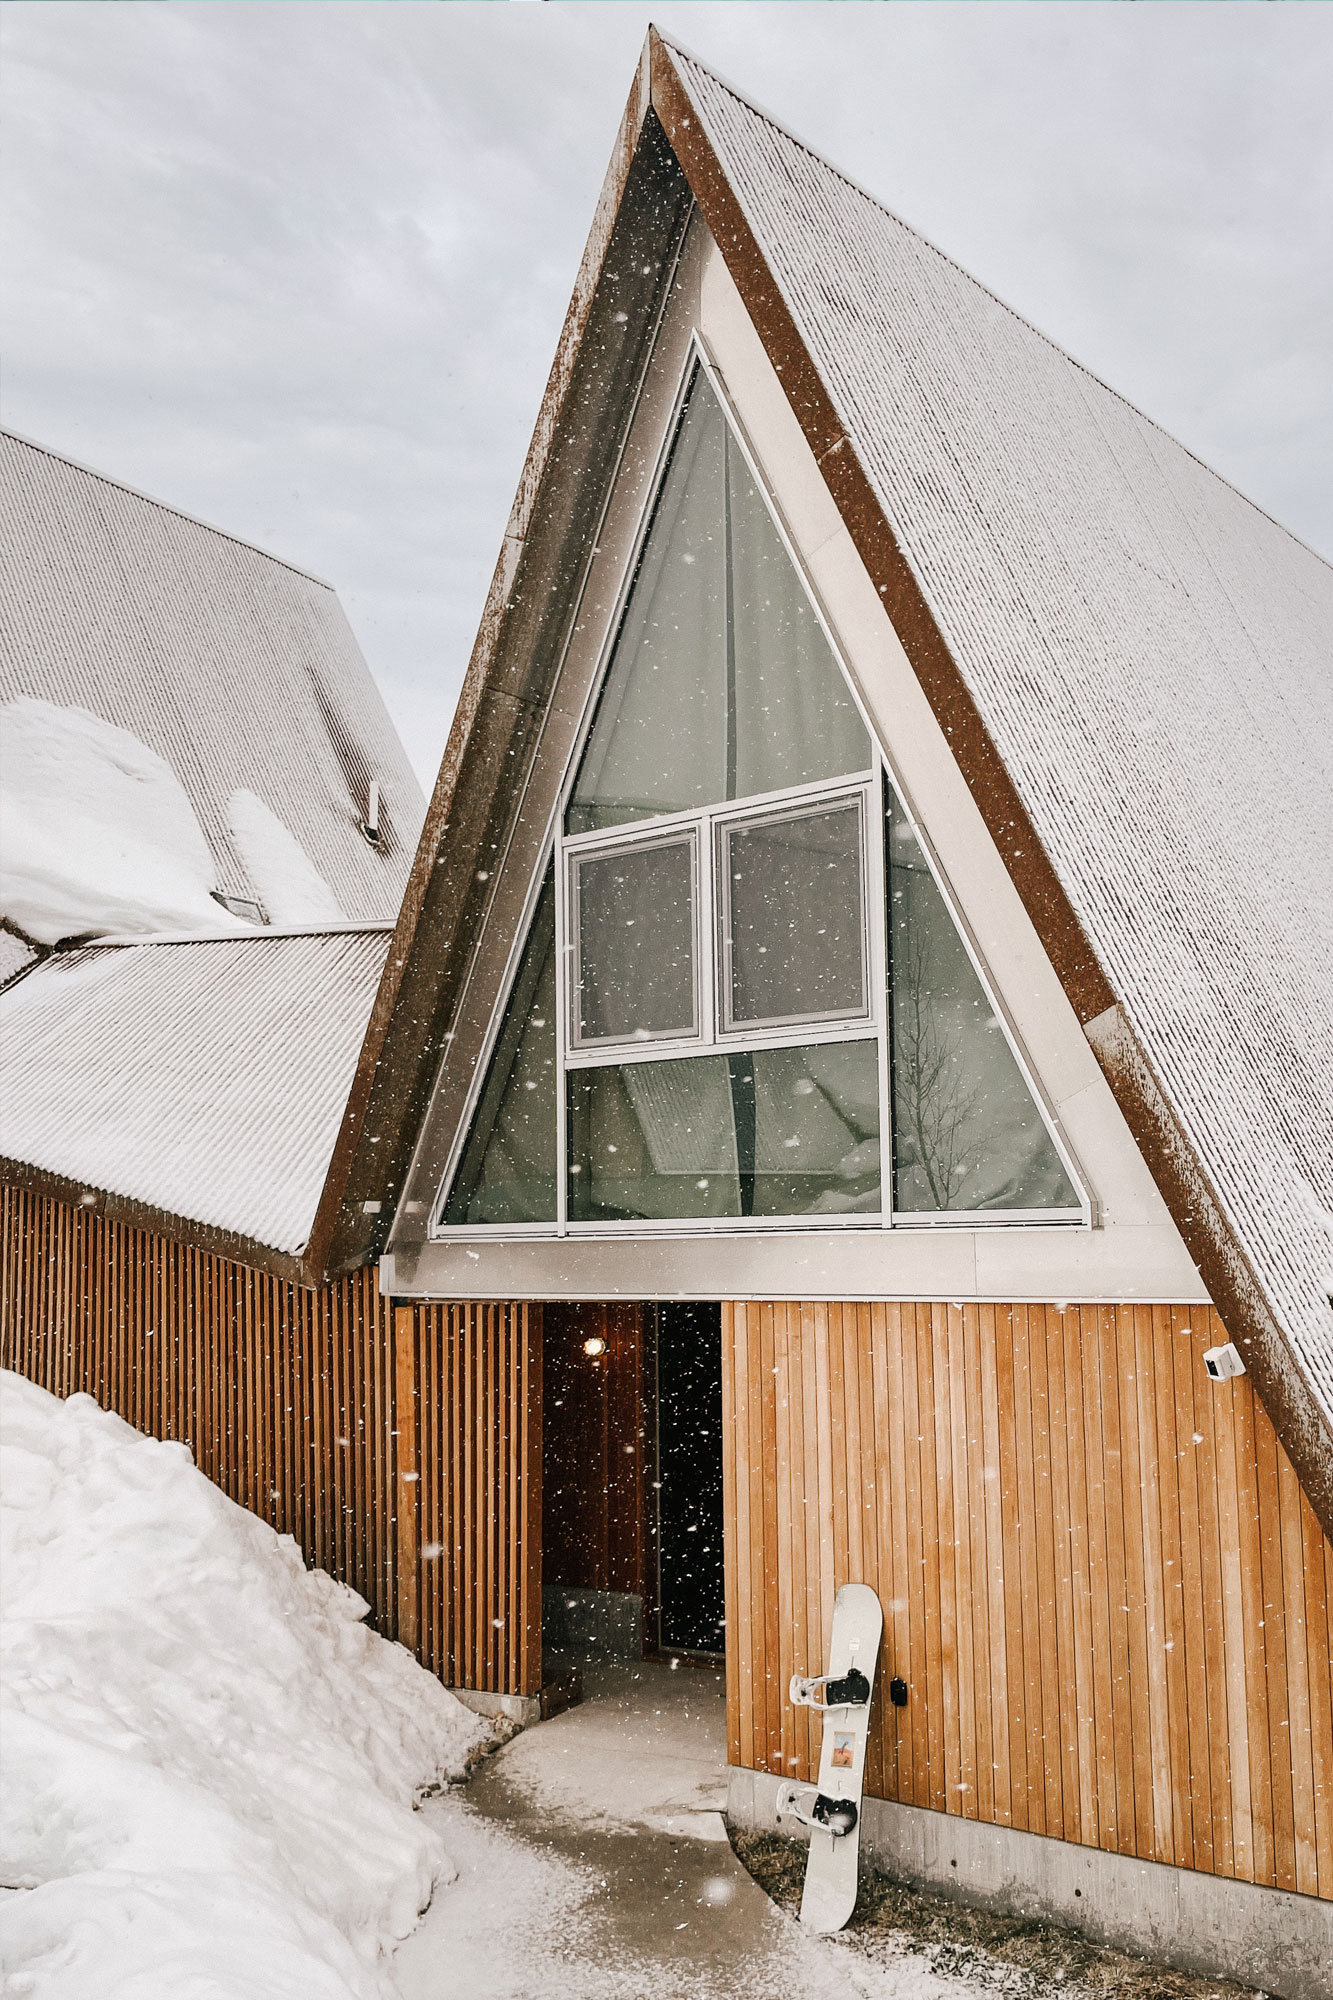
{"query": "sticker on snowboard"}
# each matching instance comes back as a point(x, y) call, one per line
point(832, 1811)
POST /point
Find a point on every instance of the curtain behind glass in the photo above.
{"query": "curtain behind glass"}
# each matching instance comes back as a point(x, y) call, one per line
point(508, 1169)
point(722, 684)
point(967, 1134)
point(659, 741)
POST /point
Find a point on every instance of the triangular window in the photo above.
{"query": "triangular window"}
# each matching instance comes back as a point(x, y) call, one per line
point(722, 684)
point(742, 975)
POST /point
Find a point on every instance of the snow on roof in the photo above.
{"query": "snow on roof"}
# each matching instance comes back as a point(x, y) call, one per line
point(1150, 653)
point(238, 670)
point(206, 1078)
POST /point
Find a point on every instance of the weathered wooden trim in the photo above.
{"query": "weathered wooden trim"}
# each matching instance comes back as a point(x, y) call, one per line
point(132, 1214)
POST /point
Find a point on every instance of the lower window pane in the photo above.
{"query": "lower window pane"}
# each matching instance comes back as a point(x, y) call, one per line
point(776, 1132)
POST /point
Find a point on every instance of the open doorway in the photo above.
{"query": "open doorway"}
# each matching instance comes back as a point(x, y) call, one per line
point(632, 1560)
point(689, 1604)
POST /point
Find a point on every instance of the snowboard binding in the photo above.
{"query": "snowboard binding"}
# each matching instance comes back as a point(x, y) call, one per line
point(826, 1815)
point(849, 1690)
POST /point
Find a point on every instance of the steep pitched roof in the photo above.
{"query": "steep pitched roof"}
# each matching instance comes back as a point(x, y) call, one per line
point(1130, 660)
point(198, 1082)
point(239, 670)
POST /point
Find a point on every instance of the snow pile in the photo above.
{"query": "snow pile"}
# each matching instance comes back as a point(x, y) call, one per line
point(290, 887)
point(15, 956)
point(210, 1761)
point(97, 834)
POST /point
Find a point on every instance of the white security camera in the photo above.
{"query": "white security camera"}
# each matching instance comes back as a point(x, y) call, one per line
point(1223, 1362)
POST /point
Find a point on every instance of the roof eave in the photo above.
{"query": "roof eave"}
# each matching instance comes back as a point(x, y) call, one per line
point(130, 1214)
point(341, 1236)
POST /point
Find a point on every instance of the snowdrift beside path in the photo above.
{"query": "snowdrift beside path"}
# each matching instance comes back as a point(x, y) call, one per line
point(209, 1760)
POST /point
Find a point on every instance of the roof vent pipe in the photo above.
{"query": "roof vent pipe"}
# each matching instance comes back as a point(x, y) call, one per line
point(371, 824)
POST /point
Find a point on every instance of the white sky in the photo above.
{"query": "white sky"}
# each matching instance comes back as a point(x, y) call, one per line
point(299, 266)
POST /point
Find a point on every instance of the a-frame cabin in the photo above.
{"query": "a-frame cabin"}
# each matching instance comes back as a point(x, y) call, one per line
point(859, 1033)
point(845, 1033)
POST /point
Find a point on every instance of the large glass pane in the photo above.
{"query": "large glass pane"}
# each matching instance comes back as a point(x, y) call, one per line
point(794, 946)
point(634, 912)
point(967, 1134)
point(508, 1169)
point(721, 683)
point(776, 1132)
point(816, 1137)
point(652, 1142)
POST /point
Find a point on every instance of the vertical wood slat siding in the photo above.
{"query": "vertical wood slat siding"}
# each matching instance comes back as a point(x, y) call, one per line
point(1108, 1595)
point(279, 1392)
point(474, 1442)
point(314, 1411)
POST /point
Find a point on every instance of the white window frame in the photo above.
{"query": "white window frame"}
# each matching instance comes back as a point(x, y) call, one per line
point(711, 1037)
point(730, 1031)
point(604, 1048)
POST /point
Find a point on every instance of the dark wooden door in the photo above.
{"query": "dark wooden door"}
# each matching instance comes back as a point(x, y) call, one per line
point(593, 1447)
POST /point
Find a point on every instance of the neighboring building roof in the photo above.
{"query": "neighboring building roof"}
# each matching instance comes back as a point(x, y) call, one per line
point(1130, 660)
point(201, 1080)
point(239, 670)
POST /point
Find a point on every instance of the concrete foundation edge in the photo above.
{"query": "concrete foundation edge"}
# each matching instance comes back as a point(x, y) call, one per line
point(1209, 1924)
point(521, 1708)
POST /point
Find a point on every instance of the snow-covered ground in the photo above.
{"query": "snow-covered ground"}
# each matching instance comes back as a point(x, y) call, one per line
point(209, 1761)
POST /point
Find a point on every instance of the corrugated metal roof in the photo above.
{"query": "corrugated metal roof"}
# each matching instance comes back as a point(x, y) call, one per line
point(206, 1078)
point(239, 670)
point(1153, 658)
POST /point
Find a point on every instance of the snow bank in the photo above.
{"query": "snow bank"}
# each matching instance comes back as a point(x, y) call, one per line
point(290, 887)
point(210, 1761)
point(97, 834)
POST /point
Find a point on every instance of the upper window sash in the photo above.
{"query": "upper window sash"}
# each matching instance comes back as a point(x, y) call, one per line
point(613, 888)
point(847, 990)
point(709, 832)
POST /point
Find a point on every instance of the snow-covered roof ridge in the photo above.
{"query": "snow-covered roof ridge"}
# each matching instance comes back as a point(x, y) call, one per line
point(201, 1079)
point(166, 506)
point(859, 188)
point(1149, 655)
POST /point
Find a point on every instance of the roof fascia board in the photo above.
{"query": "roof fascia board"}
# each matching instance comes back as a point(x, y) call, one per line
point(589, 397)
point(1179, 1173)
point(160, 1222)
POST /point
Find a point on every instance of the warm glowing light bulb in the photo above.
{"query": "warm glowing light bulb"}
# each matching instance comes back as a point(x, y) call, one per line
point(594, 1347)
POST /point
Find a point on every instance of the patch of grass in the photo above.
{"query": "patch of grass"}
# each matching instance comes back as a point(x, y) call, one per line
point(1020, 1956)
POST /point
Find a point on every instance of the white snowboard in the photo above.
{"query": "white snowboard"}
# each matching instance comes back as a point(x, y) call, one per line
point(830, 1874)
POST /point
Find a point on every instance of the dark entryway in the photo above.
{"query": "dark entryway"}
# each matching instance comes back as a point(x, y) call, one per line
point(690, 1597)
point(632, 1479)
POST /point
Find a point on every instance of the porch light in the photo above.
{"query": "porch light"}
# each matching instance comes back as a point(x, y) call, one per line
point(595, 1346)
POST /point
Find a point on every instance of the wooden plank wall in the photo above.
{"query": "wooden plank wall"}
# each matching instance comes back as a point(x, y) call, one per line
point(1109, 1597)
point(290, 1400)
point(469, 1423)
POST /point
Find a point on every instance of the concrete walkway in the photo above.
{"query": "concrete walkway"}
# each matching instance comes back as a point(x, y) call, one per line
point(594, 1865)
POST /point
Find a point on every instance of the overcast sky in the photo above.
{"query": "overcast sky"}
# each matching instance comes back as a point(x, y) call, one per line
point(299, 267)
